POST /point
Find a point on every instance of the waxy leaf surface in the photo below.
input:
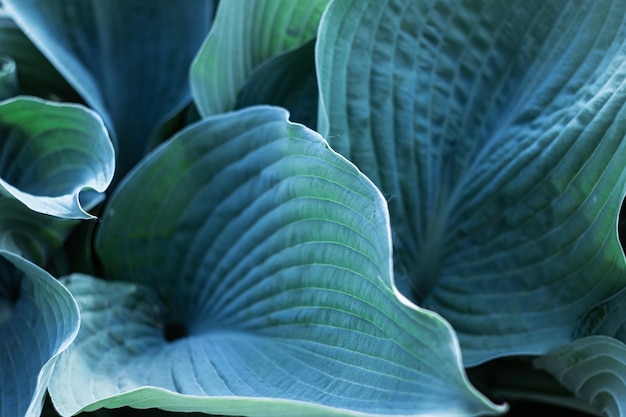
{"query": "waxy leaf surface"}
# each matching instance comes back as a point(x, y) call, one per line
point(250, 271)
point(495, 130)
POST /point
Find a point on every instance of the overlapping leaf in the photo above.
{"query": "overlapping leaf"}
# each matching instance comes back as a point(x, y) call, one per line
point(244, 35)
point(38, 320)
point(494, 129)
point(594, 368)
point(55, 158)
point(254, 268)
point(128, 59)
point(35, 74)
point(287, 80)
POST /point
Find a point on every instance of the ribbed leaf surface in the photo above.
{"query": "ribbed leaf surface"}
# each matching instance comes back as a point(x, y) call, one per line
point(495, 131)
point(254, 278)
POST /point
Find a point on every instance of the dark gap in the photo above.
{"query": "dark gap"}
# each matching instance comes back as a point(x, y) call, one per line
point(174, 330)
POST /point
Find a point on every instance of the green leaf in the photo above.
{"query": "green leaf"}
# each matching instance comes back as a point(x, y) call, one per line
point(254, 268)
point(38, 320)
point(287, 80)
point(128, 59)
point(494, 129)
point(34, 236)
point(593, 368)
point(244, 35)
point(55, 158)
point(35, 75)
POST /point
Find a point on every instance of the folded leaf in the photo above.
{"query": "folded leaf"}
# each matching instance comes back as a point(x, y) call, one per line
point(494, 129)
point(52, 155)
point(128, 59)
point(254, 268)
point(244, 35)
point(38, 320)
point(594, 368)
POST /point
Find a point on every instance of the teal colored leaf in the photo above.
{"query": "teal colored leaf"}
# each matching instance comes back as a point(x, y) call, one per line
point(35, 75)
point(55, 158)
point(254, 278)
point(9, 86)
point(244, 35)
point(494, 130)
point(128, 59)
point(593, 368)
point(38, 320)
point(34, 236)
point(287, 80)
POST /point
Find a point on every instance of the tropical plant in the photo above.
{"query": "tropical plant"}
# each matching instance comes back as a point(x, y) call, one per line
point(312, 208)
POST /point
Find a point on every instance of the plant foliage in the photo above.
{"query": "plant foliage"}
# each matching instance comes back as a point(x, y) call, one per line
point(320, 208)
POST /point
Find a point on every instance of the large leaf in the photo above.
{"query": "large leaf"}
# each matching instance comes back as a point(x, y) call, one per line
point(495, 130)
point(51, 153)
point(244, 35)
point(129, 59)
point(593, 368)
point(38, 320)
point(255, 279)
point(35, 74)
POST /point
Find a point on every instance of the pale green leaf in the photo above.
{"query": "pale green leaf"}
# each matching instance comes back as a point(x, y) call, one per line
point(244, 35)
point(494, 130)
point(253, 269)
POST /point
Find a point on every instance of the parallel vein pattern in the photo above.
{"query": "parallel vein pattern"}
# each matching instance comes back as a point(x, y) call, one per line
point(494, 131)
point(273, 254)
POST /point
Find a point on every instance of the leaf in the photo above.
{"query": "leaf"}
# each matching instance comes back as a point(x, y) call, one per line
point(31, 235)
point(594, 368)
point(36, 76)
point(287, 80)
point(8, 78)
point(134, 79)
point(244, 35)
point(52, 152)
point(38, 320)
point(254, 268)
point(494, 130)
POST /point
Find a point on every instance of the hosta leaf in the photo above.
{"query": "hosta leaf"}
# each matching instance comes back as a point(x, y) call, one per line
point(494, 129)
point(607, 318)
point(128, 59)
point(593, 368)
point(55, 158)
point(32, 235)
point(244, 35)
point(254, 268)
point(36, 76)
point(38, 320)
point(287, 80)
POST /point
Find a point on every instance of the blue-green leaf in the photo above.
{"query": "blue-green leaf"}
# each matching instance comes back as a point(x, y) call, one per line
point(253, 269)
point(38, 320)
point(32, 235)
point(593, 368)
point(287, 80)
point(55, 158)
point(35, 75)
point(129, 59)
point(495, 130)
point(244, 35)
